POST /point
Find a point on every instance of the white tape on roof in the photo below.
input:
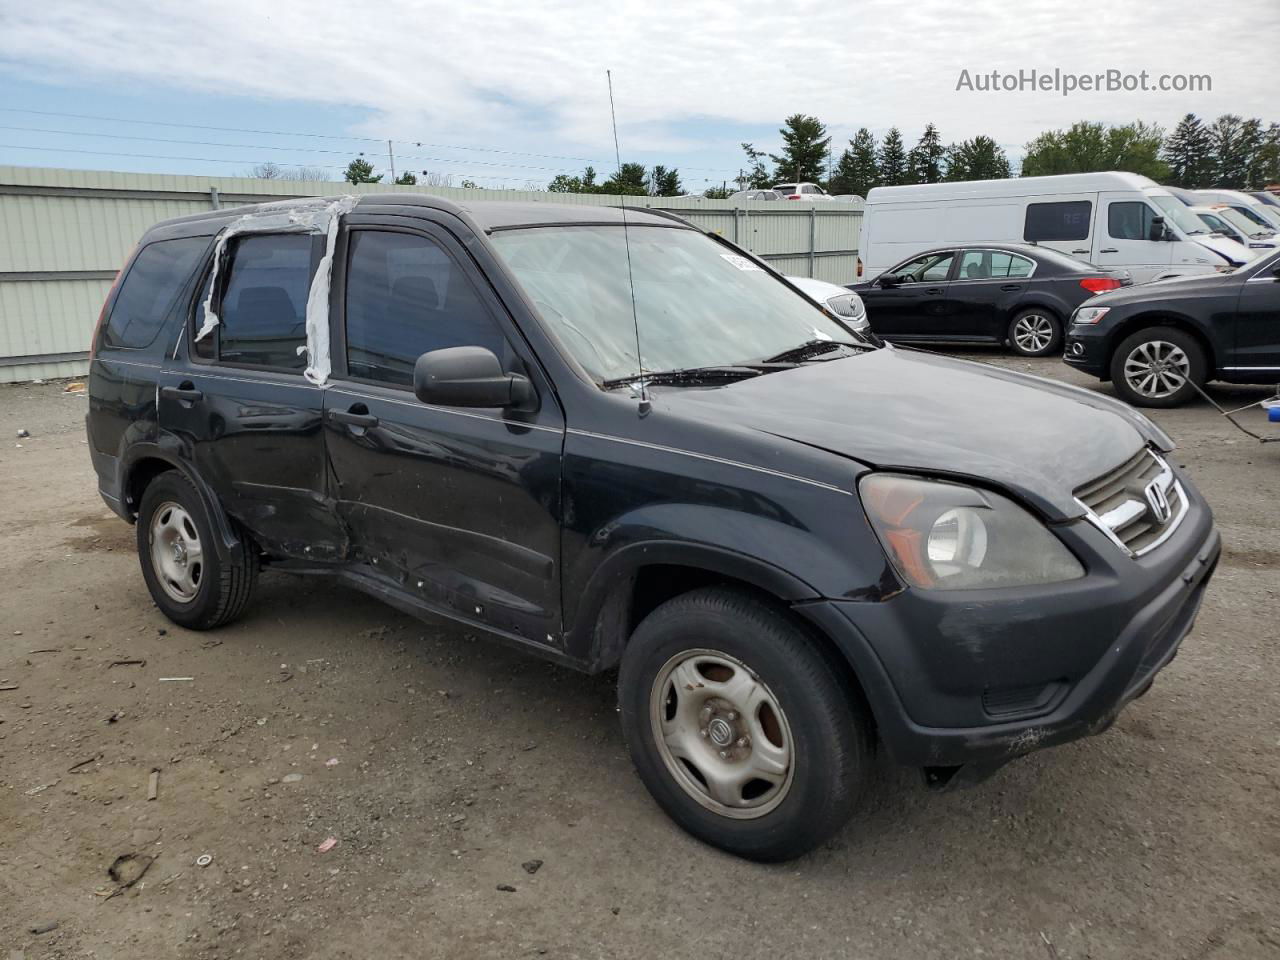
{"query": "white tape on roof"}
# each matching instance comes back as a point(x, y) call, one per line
point(317, 215)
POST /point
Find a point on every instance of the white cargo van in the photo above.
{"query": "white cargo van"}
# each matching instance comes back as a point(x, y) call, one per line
point(1246, 204)
point(1118, 220)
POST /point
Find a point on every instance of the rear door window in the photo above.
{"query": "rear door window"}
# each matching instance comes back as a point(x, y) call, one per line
point(406, 296)
point(1065, 220)
point(263, 304)
point(150, 288)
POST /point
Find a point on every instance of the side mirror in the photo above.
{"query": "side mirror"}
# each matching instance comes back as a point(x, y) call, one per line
point(468, 377)
point(890, 280)
point(1158, 230)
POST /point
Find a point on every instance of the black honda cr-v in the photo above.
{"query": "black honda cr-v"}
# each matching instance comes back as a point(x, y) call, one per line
point(794, 544)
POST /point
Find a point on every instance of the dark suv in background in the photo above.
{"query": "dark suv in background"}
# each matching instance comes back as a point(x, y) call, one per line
point(788, 547)
point(1157, 342)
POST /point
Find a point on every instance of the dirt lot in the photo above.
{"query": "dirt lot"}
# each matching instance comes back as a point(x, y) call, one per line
point(441, 764)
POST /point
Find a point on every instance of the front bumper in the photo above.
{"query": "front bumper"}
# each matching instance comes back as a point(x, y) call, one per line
point(1085, 348)
point(962, 679)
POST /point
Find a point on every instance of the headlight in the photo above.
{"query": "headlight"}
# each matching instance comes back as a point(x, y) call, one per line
point(848, 305)
point(947, 536)
point(1090, 314)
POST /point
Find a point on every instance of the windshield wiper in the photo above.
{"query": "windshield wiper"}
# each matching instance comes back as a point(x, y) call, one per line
point(812, 349)
point(687, 375)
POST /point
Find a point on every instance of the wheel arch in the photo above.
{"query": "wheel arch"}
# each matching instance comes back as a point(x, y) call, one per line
point(638, 579)
point(145, 462)
point(1144, 321)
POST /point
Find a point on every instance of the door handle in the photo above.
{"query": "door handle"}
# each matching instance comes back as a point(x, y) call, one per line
point(1011, 286)
point(185, 393)
point(934, 291)
point(1079, 251)
point(353, 419)
point(1108, 250)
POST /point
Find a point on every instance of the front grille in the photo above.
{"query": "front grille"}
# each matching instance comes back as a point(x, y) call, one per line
point(1137, 505)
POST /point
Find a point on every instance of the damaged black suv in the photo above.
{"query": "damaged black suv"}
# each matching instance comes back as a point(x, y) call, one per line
point(617, 442)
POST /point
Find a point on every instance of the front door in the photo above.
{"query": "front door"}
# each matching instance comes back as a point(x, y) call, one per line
point(1258, 327)
point(459, 508)
point(917, 307)
point(237, 402)
point(1123, 240)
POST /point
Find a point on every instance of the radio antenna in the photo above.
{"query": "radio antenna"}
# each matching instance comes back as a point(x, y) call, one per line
point(626, 240)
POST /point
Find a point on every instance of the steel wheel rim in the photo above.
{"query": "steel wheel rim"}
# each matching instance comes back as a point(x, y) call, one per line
point(722, 734)
point(1157, 369)
point(1033, 333)
point(176, 554)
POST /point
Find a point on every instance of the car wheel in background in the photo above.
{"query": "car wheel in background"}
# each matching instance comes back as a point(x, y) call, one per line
point(189, 582)
point(1035, 333)
point(1158, 367)
point(743, 730)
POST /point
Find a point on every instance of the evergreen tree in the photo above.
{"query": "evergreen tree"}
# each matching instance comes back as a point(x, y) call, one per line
point(927, 158)
point(756, 176)
point(664, 182)
point(892, 161)
point(360, 170)
point(1188, 152)
point(1267, 168)
point(1231, 153)
point(407, 179)
point(978, 159)
point(865, 169)
point(804, 149)
point(630, 180)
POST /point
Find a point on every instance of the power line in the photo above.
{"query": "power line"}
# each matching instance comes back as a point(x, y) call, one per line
point(323, 136)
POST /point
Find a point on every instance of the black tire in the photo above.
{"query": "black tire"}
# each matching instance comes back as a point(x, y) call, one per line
point(223, 587)
point(1161, 344)
point(830, 739)
point(1027, 331)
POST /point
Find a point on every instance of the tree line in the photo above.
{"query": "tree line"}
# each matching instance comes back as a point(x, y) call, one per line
point(1230, 152)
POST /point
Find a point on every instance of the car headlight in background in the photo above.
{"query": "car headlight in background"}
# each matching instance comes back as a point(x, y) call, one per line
point(848, 305)
point(1089, 314)
point(948, 536)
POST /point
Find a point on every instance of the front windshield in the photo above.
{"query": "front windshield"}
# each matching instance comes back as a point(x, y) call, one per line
point(1178, 213)
point(697, 303)
point(1254, 216)
point(1243, 223)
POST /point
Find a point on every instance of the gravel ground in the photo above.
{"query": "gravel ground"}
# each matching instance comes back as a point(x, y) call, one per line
point(445, 767)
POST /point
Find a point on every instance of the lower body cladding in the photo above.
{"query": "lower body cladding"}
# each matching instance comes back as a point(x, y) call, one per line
point(959, 686)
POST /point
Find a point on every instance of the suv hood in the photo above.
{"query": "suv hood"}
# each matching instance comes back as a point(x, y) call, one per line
point(895, 409)
point(1228, 249)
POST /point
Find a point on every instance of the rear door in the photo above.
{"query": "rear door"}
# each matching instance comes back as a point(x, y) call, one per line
point(458, 507)
point(1124, 237)
point(237, 404)
point(917, 308)
point(987, 285)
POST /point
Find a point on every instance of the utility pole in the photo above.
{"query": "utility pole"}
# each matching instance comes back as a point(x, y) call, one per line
point(392, 158)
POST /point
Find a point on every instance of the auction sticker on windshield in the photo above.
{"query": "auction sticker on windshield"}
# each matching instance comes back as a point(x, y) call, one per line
point(742, 263)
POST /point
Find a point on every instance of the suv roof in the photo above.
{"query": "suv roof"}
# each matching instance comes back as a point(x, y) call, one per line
point(484, 214)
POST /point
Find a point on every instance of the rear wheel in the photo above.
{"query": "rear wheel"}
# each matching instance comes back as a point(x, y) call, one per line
point(1035, 333)
point(1158, 367)
point(189, 582)
point(740, 727)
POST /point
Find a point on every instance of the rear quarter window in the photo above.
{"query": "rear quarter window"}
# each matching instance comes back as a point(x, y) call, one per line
point(149, 290)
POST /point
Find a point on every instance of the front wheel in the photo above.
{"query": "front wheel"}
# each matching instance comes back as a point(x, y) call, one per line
point(1035, 333)
point(740, 727)
point(1158, 367)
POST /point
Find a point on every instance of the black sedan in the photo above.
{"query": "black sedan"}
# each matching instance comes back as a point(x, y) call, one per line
point(1157, 342)
point(984, 293)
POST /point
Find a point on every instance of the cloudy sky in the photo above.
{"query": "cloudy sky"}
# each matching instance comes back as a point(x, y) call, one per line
point(455, 84)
